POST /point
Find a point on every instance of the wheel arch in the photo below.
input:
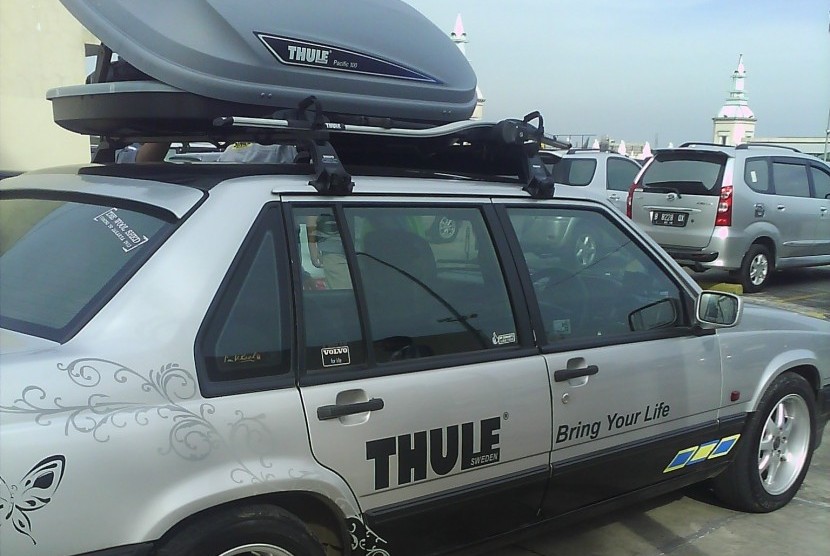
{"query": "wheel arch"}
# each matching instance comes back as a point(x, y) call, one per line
point(799, 363)
point(325, 519)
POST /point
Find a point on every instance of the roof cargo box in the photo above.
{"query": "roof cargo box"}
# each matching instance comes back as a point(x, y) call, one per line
point(203, 59)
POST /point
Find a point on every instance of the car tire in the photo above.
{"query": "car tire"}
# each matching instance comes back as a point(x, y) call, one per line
point(774, 452)
point(756, 269)
point(260, 530)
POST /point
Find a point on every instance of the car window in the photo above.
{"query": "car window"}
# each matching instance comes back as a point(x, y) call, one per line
point(694, 173)
point(428, 293)
point(821, 182)
point(790, 179)
point(574, 171)
point(332, 331)
point(617, 292)
point(621, 173)
point(57, 258)
point(246, 334)
point(756, 174)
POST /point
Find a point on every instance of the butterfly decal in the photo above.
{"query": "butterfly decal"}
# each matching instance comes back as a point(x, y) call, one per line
point(34, 491)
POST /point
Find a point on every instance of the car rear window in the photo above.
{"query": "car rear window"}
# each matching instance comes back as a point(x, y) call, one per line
point(691, 173)
point(60, 258)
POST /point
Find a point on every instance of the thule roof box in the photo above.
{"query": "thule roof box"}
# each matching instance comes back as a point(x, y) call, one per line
point(367, 61)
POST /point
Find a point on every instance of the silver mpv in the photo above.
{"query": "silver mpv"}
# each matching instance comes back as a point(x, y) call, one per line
point(749, 209)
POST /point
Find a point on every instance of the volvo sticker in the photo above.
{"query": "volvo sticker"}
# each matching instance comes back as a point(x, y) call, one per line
point(293, 52)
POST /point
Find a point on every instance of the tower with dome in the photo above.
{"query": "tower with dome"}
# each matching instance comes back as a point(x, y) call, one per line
point(735, 122)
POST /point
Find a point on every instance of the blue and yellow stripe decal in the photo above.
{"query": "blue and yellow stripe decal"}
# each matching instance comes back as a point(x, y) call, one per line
point(696, 454)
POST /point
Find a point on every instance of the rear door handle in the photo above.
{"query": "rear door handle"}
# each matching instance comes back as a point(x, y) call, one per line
point(326, 412)
point(567, 374)
point(781, 207)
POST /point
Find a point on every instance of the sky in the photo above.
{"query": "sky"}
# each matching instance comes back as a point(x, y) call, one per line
point(647, 70)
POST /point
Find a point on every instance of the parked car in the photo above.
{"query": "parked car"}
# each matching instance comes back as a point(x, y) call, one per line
point(168, 375)
point(750, 209)
point(606, 174)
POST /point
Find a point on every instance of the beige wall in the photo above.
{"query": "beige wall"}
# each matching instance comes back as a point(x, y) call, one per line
point(41, 46)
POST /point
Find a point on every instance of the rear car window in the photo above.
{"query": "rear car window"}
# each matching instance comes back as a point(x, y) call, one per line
point(574, 171)
point(59, 257)
point(694, 173)
point(756, 174)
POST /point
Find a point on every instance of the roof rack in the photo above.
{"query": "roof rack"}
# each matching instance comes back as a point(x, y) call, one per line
point(743, 146)
point(506, 148)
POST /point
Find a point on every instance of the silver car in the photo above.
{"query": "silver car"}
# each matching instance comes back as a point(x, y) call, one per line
point(601, 173)
point(172, 384)
point(749, 209)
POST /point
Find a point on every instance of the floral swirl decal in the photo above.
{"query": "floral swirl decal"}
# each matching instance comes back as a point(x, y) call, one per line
point(158, 394)
point(31, 493)
point(364, 541)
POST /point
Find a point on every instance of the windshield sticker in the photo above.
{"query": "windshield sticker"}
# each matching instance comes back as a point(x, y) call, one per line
point(562, 327)
point(335, 356)
point(502, 339)
point(129, 238)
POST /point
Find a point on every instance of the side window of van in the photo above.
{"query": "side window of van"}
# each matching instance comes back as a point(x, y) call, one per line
point(756, 174)
point(428, 293)
point(621, 173)
point(821, 182)
point(790, 179)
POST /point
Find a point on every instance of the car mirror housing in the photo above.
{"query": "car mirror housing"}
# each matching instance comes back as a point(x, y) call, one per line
point(720, 309)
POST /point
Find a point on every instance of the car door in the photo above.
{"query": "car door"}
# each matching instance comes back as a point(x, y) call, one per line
point(821, 191)
point(632, 385)
point(620, 174)
point(795, 212)
point(420, 381)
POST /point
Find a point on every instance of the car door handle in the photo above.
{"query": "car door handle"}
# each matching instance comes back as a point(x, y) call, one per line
point(823, 209)
point(781, 207)
point(614, 197)
point(326, 412)
point(567, 374)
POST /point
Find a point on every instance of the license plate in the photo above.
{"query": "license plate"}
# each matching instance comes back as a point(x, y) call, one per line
point(662, 218)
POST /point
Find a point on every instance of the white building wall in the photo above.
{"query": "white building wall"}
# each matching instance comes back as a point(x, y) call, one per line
point(41, 46)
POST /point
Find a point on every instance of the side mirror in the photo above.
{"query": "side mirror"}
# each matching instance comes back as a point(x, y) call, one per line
point(720, 309)
point(655, 315)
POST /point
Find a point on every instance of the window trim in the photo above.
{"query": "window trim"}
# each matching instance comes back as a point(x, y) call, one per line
point(269, 218)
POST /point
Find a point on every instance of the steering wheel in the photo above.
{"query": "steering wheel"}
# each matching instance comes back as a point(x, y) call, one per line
point(562, 297)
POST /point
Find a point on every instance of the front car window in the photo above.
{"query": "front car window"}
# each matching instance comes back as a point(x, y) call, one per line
point(59, 259)
point(612, 290)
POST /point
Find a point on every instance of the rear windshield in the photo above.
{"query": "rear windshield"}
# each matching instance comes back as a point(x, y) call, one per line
point(59, 259)
point(574, 171)
point(691, 173)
